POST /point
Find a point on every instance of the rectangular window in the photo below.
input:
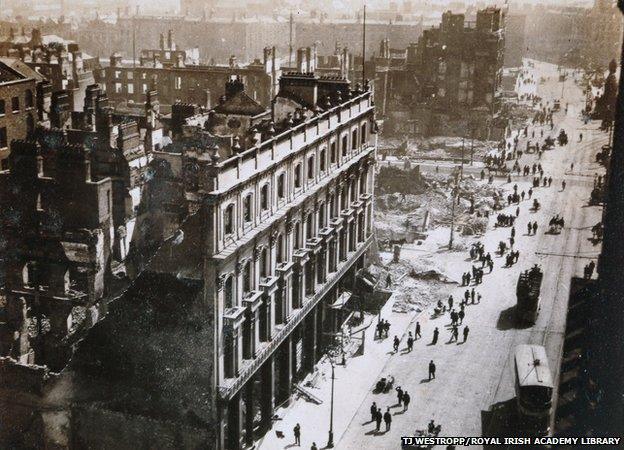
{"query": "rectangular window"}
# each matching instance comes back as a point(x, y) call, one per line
point(144, 75)
point(15, 104)
point(2, 108)
point(130, 88)
point(144, 88)
point(118, 88)
point(178, 82)
point(130, 75)
point(117, 73)
point(3, 137)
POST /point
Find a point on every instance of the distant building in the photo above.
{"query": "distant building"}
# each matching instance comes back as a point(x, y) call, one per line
point(18, 102)
point(447, 83)
point(166, 70)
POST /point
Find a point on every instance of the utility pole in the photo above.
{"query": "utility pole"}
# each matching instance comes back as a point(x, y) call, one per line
point(330, 440)
point(364, 47)
point(290, 42)
point(452, 218)
point(461, 173)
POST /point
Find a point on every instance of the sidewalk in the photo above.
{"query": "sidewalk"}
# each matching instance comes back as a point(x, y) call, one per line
point(352, 383)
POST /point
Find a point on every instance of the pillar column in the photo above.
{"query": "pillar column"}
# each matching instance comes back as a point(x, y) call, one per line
point(285, 367)
point(310, 339)
point(267, 400)
point(234, 423)
point(249, 412)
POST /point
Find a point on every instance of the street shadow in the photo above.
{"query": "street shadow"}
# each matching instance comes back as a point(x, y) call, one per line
point(372, 433)
point(292, 445)
point(507, 320)
point(426, 380)
point(501, 420)
point(431, 343)
point(398, 413)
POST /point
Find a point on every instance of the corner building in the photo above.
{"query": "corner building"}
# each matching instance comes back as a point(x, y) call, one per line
point(287, 241)
point(280, 219)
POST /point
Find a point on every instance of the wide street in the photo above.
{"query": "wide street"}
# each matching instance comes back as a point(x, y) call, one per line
point(473, 392)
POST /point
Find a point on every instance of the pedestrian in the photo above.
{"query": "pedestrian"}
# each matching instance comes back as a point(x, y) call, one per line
point(417, 332)
point(388, 281)
point(529, 228)
point(472, 295)
point(386, 328)
point(399, 395)
point(534, 227)
point(549, 181)
point(396, 344)
point(513, 232)
point(572, 167)
point(522, 194)
point(406, 400)
point(378, 417)
point(297, 432)
point(530, 193)
point(563, 185)
point(466, 296)
point(314, 447)
point(511, 242)
point(410, 342)
point(387, 419)
point(466, 331)
point(436, 333)
point(450, 302)
point(373, 411)
point(432, 370)
point(518, 211)
point(461, 315)
point(491, 265)
point(479, 298)
point(467, 278)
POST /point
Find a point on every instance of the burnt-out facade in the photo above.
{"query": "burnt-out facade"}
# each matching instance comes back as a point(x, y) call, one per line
point(167, 70)
point(18, 114)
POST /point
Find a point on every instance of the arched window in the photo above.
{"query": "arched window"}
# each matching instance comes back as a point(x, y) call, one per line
point(322, 215)
point(332, 153)
point(322, 161)
point(280, 249)
point(345, 139)
point(363, 177)
point(310, 167)
point(281, 185)
point(264, 197)
point(28, 100)
point(363, 134)
point(309, 230)
point(332, 206)
point(298, 175)
point(297, 240)
point(247, 208)
point(353, 190)
point(247, 278)
point(228, 219)
point(354, 140)
point(228, 293)
point(264, 263)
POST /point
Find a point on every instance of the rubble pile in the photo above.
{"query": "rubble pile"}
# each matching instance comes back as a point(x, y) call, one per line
point(415, 283)
point(401, 215)
point(437, 148)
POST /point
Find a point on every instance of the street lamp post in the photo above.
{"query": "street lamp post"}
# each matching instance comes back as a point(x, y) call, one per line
point(330, 439)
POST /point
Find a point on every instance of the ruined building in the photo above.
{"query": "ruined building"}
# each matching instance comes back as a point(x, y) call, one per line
point(18, 115)
point(265, 216)
point(167, 70)
point(448, 82)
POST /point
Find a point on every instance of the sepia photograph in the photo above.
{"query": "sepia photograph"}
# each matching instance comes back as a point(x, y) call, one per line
point(315, 224)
